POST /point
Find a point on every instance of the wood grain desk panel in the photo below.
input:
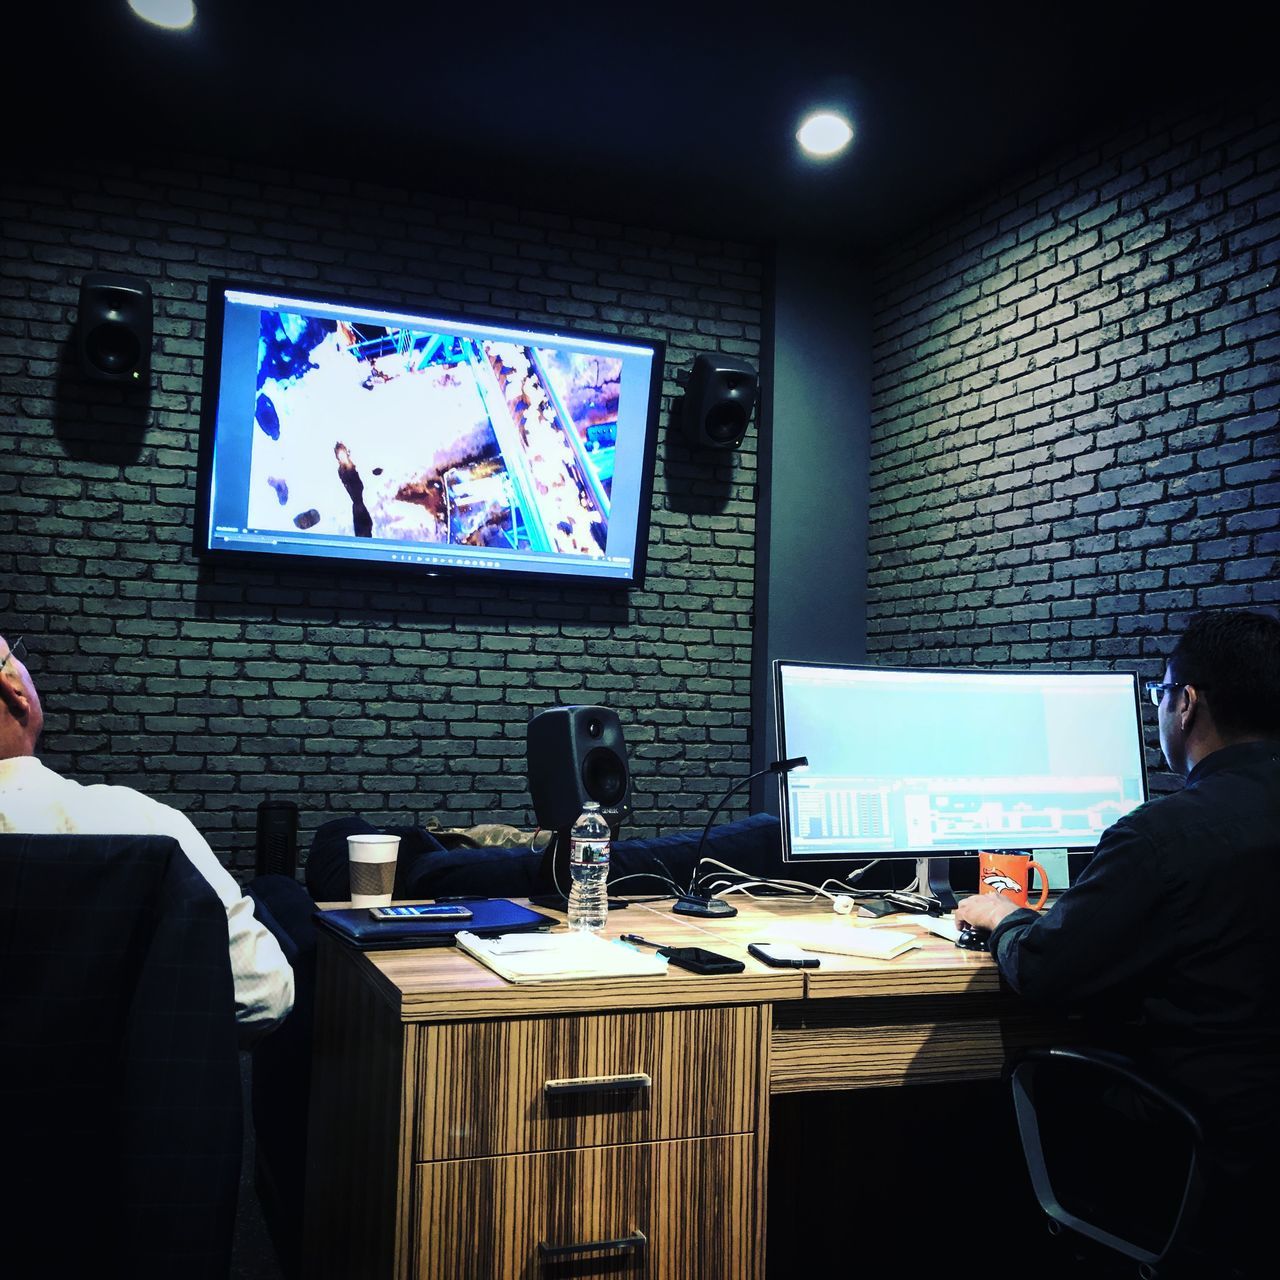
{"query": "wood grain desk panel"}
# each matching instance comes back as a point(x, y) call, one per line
point(485, 1219)
point(708, 1054)
point(358, 1167)
point(428, 993)
point(935, 968)
point(872, 1043)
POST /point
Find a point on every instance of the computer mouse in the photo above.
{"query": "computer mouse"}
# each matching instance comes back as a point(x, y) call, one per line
point(972, 939)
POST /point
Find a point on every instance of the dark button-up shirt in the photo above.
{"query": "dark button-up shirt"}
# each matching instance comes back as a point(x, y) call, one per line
point(1170, 934)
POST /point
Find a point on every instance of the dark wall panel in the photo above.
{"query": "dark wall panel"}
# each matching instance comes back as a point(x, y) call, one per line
point(354, 691)
point(811, 588)
point(1075, 434)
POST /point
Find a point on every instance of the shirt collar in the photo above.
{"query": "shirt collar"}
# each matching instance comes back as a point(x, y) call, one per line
point(14, 767)
point(1240, 753)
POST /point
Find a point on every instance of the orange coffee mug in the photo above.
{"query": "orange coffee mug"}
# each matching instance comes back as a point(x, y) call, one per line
point(1009, 875)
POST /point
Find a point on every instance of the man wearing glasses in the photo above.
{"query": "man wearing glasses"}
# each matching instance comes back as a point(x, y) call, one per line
point(36, 801)
point(1173, 919)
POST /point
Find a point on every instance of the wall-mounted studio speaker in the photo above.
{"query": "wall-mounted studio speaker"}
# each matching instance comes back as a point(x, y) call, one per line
point(114, 330)
point(577, 754)
point(718, 402)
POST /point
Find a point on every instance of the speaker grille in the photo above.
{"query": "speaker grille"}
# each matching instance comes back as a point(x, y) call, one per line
point(277, 847)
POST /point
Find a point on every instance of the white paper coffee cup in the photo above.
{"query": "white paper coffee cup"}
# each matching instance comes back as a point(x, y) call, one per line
point(372, 862)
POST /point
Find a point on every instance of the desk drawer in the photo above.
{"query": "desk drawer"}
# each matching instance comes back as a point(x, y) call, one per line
point(481, 1087)
point(658, 1210)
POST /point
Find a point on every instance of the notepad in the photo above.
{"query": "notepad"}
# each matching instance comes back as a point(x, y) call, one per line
point(841, 938)
point(553, 957)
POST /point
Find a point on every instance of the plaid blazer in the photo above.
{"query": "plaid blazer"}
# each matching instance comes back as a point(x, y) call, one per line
point(119, 1068)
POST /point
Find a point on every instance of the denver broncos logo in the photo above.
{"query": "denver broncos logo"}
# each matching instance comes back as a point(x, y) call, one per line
point(997, 882)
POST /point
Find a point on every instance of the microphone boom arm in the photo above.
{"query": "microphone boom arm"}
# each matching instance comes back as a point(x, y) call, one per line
point(778, 766)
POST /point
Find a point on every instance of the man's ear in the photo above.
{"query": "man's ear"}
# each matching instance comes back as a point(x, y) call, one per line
point(1190, 706)
point(16, 700)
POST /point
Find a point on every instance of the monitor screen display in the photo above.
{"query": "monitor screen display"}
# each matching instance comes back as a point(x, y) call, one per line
point(921, 762)
point(338, 431)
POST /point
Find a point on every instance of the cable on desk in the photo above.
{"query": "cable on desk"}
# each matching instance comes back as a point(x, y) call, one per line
point(649, 875)
point(721, 888)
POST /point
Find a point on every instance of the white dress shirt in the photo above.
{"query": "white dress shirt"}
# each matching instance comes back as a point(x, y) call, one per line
point(36, 801)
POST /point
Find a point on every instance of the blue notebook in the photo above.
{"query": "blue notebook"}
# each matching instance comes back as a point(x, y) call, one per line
point(489, 916)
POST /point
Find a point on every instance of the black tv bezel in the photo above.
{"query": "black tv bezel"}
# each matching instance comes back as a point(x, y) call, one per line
point(939, 855)
point(266, 561)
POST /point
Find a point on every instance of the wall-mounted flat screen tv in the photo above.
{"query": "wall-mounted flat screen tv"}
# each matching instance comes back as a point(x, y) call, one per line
point(333, 430)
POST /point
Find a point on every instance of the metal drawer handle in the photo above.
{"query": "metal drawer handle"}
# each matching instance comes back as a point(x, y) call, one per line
point(634, 1242)
point(596, 1084)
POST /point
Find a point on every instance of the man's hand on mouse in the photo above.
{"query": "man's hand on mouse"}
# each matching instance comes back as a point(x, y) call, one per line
point(983, 910)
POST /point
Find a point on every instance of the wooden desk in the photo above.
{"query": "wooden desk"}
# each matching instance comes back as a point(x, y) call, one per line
point(437, 1149)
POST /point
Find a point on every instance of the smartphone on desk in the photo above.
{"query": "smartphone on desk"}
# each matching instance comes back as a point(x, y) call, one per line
point(423, 911)
point(699, 960)
point(782, 955)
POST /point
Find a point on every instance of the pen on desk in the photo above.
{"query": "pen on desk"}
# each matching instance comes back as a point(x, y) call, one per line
point(635, 937)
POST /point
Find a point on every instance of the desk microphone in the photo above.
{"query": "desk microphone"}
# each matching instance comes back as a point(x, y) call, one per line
point(692, 903)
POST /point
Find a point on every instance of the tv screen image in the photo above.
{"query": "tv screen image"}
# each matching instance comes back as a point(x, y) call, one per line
point(344, 431)
point(939, 762)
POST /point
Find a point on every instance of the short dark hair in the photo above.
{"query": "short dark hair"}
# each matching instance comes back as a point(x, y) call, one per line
point(1234, 657)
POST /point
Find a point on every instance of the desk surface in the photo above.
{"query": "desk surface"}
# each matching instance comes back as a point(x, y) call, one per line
point(443, 984)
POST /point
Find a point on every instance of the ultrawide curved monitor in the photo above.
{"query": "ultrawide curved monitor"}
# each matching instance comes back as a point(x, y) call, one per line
point(930, 762)
point(364, 434)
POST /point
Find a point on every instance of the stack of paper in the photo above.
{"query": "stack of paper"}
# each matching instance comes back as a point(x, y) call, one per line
point(839, 937)
point(550, 957)
point(943, 926)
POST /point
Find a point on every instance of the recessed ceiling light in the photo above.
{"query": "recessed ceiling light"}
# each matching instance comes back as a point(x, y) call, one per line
point(173, 15)
point(824, 134)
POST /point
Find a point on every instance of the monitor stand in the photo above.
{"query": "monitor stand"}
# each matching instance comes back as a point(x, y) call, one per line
point(933, 877)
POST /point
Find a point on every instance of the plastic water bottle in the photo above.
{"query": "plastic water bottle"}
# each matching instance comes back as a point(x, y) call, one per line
point(589, 868)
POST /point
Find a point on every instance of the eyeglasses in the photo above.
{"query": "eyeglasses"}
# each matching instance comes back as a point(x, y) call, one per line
point(1157, 690)
point(19, 647)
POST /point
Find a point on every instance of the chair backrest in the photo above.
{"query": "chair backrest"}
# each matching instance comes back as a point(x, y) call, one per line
point(119, 1066)
point(1112, 1156)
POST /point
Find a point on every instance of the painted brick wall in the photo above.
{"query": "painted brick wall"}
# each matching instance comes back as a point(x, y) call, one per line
point(1075, 416)
point(362, 692)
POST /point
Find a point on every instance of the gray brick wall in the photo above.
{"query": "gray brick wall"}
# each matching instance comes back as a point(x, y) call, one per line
point(365, 692)
point(1076, 402)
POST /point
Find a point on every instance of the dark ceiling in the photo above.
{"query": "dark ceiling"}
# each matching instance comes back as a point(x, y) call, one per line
point(671, 115)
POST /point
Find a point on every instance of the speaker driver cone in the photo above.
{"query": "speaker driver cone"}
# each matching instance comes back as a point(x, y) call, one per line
point(726, 422)
point(604, 774)
point(113, 348)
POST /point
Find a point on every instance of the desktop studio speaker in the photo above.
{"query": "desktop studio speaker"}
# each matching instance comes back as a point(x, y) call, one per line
point(718, 402)
point(577, 754)
point(114, 331)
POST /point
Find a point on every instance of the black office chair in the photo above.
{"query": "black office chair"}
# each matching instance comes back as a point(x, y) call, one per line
point(1113, 1158)
point(119, 1076)
point(280, 1092)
